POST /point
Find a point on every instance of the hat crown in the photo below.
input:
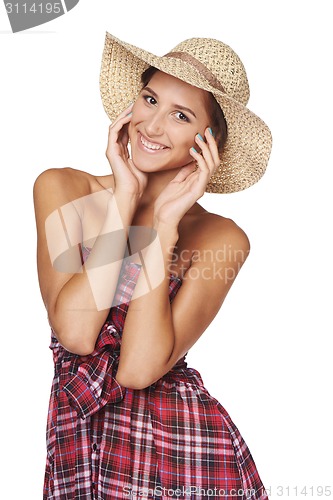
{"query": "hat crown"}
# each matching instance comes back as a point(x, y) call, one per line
point(222, 61)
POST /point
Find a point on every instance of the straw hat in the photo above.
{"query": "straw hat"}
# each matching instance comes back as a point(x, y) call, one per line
point(210, 65)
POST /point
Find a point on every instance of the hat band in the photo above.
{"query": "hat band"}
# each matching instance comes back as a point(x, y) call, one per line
point(210, 77)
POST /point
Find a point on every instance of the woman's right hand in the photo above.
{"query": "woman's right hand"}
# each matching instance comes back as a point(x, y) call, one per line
point(127, 178)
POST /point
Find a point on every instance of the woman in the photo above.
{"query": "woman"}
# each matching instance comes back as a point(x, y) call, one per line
point(127, 417)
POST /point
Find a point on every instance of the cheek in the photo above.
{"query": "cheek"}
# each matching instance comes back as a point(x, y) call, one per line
point(136, 118)
point(181, 136)
point(185, 143)
point(188, 140)
point(139, 111)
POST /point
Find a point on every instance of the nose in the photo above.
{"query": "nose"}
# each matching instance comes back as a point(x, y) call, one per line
point(155, 124)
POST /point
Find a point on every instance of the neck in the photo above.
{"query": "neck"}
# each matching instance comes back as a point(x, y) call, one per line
point(157, 181)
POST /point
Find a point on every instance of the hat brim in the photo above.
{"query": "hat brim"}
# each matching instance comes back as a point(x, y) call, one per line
point(247, 149)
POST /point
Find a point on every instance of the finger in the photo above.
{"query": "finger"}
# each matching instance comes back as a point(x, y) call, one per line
point(200, 161)
point(118, 134)
point(185, 171)
point(120, 121)
point(209, 150)
point(206, 153)
point(125, 112)
point(213, 146)
point(116, 126)
point(123, 136)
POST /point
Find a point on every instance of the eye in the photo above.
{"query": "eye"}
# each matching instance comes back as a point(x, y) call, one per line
point(181, 116)
point(150, 99)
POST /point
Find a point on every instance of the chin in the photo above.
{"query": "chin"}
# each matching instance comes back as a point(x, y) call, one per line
point(155, 164)
point(147, 164)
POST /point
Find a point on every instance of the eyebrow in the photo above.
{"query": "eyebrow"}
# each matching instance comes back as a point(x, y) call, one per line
point(178, 106)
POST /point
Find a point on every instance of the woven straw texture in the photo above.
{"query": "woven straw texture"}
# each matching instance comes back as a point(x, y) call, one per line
point(210, 65)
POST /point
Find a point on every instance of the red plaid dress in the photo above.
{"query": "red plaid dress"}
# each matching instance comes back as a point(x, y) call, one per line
point(169, 440)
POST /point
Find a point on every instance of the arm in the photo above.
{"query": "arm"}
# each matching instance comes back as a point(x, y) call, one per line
point(73, 297)
point(78, 298)
point(157, 334)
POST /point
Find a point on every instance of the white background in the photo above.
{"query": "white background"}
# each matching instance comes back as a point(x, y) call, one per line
point(267, 356)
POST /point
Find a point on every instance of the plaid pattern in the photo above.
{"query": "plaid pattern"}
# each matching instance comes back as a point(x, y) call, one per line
point(169, 440)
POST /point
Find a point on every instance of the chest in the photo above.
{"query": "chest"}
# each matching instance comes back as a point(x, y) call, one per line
point(127, 281)
point(140, 234)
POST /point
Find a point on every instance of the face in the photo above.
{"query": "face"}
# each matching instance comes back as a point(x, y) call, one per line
point(166, 117)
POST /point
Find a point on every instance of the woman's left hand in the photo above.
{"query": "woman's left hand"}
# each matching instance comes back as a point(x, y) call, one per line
point(189, 184)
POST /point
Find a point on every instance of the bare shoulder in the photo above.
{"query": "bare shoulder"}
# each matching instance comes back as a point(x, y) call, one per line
point(57, 186)
point(226, 230)
point(215, 233)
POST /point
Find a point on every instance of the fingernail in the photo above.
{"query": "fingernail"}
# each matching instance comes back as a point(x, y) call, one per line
point(129, 113)
point(211, 132)
point(200, 137)
point(193, 149)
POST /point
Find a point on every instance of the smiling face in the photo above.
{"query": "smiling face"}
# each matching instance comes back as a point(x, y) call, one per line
point(166, 117)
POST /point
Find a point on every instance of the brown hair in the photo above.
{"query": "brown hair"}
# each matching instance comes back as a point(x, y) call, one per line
point(218, 123)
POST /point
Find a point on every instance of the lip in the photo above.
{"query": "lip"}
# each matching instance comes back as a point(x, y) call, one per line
point(144, 142)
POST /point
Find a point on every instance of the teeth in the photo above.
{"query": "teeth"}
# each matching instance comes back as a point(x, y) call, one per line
point(150, 145)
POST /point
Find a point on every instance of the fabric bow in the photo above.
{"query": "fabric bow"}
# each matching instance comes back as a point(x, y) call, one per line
point(94, 384)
